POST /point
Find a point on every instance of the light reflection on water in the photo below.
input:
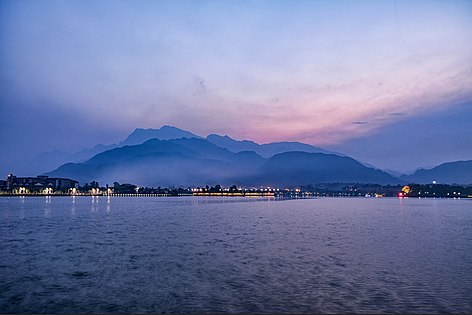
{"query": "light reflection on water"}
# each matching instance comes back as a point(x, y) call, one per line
point(138, 255)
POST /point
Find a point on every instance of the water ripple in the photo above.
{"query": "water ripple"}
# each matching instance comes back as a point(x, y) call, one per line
point(234, 255)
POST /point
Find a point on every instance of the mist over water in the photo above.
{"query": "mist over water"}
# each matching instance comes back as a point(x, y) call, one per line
point(196, 254)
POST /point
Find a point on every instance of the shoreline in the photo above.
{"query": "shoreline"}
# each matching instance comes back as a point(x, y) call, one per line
point(306, 196)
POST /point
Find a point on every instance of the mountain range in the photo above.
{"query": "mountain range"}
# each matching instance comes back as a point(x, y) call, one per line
point(194, 162)
point(264, 150)
point(170, 156)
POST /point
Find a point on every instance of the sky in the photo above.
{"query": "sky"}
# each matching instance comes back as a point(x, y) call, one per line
point(387, 82)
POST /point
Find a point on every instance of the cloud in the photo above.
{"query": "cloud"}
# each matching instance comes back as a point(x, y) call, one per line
point(417, 141)
point(200, 87)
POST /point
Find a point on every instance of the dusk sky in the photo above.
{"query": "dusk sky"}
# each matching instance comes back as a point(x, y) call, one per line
point(386, 82)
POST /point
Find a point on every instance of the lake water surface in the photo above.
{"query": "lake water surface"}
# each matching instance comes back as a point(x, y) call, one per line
point(197, 254)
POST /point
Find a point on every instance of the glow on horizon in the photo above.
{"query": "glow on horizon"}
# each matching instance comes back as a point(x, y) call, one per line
point(267, 71)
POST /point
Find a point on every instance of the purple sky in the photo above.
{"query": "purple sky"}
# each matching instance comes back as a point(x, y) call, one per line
point(383, 81)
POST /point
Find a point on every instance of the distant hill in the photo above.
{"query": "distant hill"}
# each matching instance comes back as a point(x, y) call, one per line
point(172, 156)
point(140, 135)
point(52, 160)
point(87, 153)
point(46, 161)
point(302, 168)
point(155, 162)
point(264, 150)
point(192, 162)
point(231, 144)
point(459, 172)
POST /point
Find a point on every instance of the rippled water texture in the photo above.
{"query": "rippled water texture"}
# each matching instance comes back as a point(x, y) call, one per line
point(182, 255)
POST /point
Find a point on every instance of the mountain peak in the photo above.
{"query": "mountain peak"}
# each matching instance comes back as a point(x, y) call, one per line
point(457, 172)
point(166, 132)
point(167, 127)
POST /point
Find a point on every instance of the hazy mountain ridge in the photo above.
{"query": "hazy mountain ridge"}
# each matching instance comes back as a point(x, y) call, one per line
point(47, 161)
point(264, 150)
point(194, 161)
point(457, 172)
point(224, 160)
point(156, 163)
point(303, 168)
point(140, 135)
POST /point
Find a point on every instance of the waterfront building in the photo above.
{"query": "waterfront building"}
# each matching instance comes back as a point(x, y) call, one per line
point(40, 184)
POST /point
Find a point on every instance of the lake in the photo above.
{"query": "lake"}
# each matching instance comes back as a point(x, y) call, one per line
point(212, 254)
